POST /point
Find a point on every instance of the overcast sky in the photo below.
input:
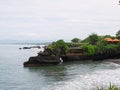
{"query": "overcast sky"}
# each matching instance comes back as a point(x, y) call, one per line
point(57, 19)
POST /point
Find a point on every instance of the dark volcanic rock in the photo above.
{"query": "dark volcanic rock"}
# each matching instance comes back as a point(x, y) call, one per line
point(46, 58)
point(69, 58)
point(75, 58)
point(41, 60)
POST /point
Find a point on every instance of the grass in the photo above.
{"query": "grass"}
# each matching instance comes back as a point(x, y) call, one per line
point(111, 87)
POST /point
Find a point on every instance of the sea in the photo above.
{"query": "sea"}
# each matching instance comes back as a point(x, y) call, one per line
point(80, 75)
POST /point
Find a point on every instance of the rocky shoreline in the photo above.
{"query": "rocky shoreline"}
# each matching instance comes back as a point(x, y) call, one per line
point(45, 59)
point(35, 61)
point(93, 48)
point(42, 59)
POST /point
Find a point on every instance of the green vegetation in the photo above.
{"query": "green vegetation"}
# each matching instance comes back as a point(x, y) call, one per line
point(103, 48)
point(58, 48)
point(111, 87)
point(92, 39)
point(72, 44)
point(97, 45)
point(75, 40)
point(90, 49)
point(92, 45)
point(118, 34)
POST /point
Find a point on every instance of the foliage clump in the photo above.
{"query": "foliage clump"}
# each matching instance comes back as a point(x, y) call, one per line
point(92, 45)
point(75, 40)
point(111, 87)
point(96, 45)
point(90, 49)
point(58, 48)
point(92, 39)
point(118, 34)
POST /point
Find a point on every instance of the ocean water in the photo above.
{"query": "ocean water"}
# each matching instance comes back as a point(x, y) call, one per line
point(67, 76)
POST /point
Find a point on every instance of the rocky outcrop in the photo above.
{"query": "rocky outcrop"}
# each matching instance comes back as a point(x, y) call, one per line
point(41, 61)
point(43, 58)
point(46, 58)
point(75, 57)
point(69, 58)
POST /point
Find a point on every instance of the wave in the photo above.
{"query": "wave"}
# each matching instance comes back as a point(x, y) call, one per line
point(110, 73)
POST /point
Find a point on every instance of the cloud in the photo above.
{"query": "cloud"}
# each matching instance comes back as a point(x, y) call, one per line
point(51, 19)
point(29, 34)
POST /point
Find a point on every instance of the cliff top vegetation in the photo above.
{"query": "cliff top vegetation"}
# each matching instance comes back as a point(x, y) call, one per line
point(93, 45)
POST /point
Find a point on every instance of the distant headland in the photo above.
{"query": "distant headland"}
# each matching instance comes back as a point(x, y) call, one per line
point(94, 47)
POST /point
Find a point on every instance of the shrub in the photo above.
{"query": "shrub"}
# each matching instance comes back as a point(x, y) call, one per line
point(75, 40)
point(59, 47)
point(90, 49)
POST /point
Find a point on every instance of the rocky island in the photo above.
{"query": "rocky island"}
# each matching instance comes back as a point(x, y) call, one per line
point(93, 47)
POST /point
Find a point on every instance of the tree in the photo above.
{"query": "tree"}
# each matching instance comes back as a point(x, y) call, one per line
point(75, 40)
point(92, 39)
point(58, 48)
point(90, 49)
point(118, 34)
point(108, 36)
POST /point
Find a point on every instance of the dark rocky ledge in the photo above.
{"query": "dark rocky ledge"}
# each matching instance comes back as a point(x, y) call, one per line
point(43, 58)
point(46, 58)
point(41, 61)
point(97, 57)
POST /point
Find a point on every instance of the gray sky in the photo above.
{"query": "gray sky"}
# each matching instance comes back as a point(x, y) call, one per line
point(57, 19)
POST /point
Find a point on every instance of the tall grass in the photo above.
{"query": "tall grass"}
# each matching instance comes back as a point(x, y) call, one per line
point(111, 87)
